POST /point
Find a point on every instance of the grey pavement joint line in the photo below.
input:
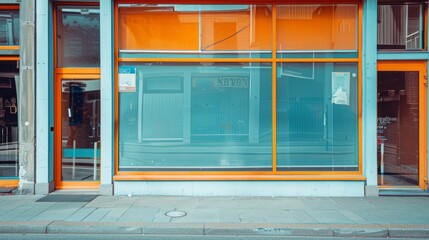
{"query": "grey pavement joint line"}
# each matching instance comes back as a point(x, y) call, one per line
point(121, 215)
point(80, 214)
point(46, 230)
point(96, 215)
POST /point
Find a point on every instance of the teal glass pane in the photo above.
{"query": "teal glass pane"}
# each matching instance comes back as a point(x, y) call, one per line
point(9, 134)
point(317, 120)
point(195, 117)
point(78, 36)
point(9, 28)
point(400, 26)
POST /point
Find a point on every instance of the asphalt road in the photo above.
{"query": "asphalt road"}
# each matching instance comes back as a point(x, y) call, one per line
point(160, 237)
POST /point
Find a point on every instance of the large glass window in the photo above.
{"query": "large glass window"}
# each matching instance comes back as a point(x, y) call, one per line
point(317, 117)
point(78, 36)
point(9, 143)
point(400, 26)
point(195, 117)
point(197, 86)
point(9, 27)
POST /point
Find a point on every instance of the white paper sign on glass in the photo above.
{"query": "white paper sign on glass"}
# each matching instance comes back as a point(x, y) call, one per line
point(127, 79)
point(341, 88)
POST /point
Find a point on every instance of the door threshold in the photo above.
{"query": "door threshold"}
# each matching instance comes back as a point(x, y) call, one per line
point(405, 191)
point(75, 192)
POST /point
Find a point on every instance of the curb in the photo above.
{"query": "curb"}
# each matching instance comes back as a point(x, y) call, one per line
point(217, 229)
point(321, 230)
point(24, 227)
point(61, 227)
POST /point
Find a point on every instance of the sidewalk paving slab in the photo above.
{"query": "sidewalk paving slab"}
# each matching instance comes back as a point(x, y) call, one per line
point(365, 217)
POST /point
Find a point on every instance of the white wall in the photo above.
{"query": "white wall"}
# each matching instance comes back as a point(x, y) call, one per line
point(241, 188)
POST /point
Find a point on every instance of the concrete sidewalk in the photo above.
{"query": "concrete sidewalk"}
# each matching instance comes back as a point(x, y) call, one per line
point(405, 217)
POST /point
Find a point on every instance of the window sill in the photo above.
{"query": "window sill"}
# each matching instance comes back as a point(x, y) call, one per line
point(238, 177)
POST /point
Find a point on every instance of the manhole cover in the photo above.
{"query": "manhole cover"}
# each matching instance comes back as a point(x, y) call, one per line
point(175, 214)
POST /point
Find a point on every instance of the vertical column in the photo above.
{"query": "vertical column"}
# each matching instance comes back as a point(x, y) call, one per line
point(42, 99)
point(369, 96)
point(424, 27)
point(107, 96)
point(26, 99)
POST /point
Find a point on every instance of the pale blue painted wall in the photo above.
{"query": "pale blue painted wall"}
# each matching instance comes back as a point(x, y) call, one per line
point(44, 146)
point(107, 97)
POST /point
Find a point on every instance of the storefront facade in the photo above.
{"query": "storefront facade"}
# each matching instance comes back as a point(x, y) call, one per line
point(317, 98)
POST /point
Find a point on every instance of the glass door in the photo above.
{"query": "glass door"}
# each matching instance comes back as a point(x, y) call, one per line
point(401, 128)
point(77, 131)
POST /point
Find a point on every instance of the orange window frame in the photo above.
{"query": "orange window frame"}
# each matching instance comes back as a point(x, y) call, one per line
point(242, 175)
point(59, 74)
point(421, 67)
point(9, 7)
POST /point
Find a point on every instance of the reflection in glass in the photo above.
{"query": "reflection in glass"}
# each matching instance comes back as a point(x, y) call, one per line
point(400, 26)
point(317, 117)
point(317, 27)
point(78, 36)
point(398, 128)
point(9, 165)
point(194, 28)
point(208, 116)
point(80, 130)
point(9, 27)
point(234, 28)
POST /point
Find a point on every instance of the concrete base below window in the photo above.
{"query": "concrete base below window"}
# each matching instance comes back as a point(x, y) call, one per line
point(372, 191)
point(25, 188)
point(106, 189)
point(44, 188)
point(241, 188)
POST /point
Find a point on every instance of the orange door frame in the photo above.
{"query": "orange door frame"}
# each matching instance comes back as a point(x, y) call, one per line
point(67, 73)
point(59, 183)
point(421, 67)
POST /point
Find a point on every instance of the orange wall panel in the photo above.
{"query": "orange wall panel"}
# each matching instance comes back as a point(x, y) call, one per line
point(152, 29)
point(247, 29)
point(317, 27)
point(158, 28)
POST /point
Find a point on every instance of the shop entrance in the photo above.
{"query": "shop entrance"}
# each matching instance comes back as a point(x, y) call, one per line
point(77, 131)
point(401, 124)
